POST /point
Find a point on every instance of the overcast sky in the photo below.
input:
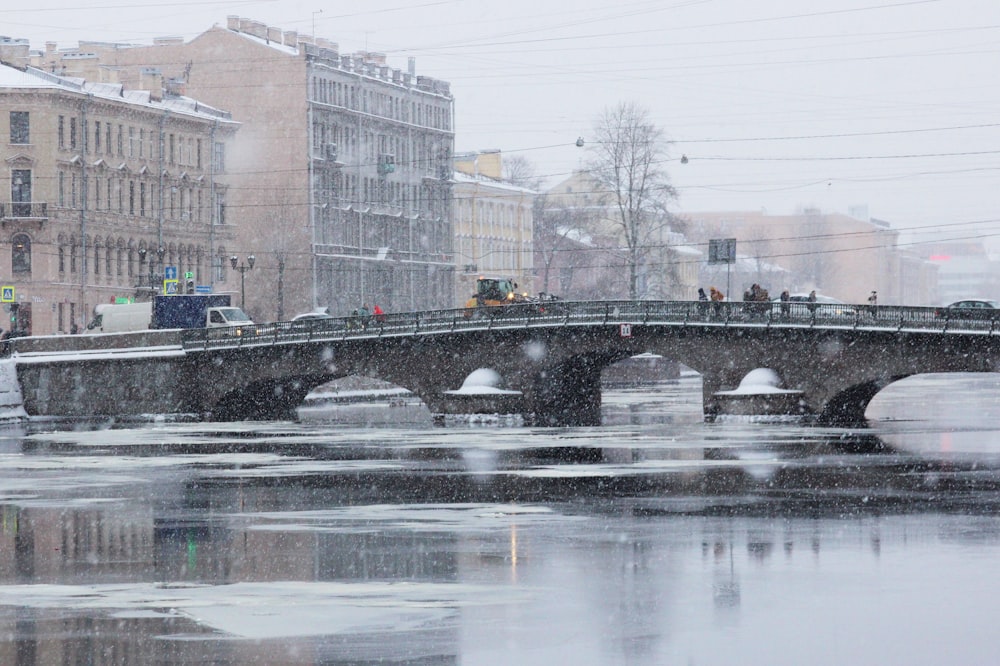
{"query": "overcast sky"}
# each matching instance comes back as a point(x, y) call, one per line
point(891, 105)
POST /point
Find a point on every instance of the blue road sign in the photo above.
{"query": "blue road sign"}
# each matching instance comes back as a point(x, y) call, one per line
point(169, 272)
point(203, 289)
point(7, 295)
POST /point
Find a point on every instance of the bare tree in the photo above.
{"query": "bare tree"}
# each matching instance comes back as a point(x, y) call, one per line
point(558, 230)
point(627, 161)
point(519, 170)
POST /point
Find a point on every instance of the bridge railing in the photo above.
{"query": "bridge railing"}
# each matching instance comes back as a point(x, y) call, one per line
point(568, 313)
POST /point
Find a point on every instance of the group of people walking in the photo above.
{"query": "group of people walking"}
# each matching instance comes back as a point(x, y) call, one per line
point(362, 317)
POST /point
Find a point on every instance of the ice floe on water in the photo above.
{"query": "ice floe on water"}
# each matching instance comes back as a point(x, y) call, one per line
point(269, 610)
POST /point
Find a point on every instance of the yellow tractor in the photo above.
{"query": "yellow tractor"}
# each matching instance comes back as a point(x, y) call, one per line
point(493, 296)
point(494, 292)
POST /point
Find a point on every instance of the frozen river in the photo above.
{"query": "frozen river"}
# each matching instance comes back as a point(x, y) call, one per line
point(365, 534)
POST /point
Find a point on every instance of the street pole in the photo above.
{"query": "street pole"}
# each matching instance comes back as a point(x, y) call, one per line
point(242, 268)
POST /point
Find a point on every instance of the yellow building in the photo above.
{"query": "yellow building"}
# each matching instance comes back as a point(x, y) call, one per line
point(107, 186)
point(493, 225)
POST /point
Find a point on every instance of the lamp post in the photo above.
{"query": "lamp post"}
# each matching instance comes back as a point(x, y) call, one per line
point(242, 268)
point(143, 252)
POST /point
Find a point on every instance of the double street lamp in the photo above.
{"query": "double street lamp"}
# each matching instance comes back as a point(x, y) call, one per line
point(242, 268)
point(143, 252)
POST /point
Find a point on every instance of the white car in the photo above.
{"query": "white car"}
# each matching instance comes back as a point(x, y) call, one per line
point(312, 315)
point(831, 305)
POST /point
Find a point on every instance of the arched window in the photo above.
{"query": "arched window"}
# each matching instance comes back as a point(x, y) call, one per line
point(20, 254)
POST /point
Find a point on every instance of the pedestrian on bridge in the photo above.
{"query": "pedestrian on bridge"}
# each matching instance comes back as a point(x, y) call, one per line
point(702, 302)
point(717, 298)
point(873, 303)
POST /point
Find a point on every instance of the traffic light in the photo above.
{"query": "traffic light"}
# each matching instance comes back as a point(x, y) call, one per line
point(189, 287)
point(14, 307)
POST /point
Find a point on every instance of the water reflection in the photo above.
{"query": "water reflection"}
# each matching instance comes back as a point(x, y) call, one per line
point(655, 539)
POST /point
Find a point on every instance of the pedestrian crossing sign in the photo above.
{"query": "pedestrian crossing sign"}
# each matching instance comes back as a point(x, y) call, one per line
point(170, 287)
point(7, 295)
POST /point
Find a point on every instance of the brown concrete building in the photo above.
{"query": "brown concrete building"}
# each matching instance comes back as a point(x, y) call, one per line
point(341, 170)
point(837, 255)
point(107, 185)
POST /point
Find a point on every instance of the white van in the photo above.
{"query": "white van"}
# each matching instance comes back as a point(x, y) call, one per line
point(121, 317)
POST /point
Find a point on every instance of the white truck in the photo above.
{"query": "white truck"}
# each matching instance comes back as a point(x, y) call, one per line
point(121, 317)
point(189, 311)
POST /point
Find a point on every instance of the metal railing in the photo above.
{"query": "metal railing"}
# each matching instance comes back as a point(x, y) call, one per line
point(24, 209)
point(569, 313)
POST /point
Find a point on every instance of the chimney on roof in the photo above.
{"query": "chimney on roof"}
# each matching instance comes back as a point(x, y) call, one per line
point(14, 52)
point(233, 23)
point(151, 79)
point(254, 28)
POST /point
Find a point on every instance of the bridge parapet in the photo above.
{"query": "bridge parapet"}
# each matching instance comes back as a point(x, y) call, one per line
point(569, 313)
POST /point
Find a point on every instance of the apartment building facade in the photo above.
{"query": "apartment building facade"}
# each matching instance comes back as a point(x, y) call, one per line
point(107, 186)
point(341, 171)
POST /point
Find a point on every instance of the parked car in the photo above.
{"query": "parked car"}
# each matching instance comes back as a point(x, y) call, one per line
point(830, 306)
point(970, 308)
point(305, 316)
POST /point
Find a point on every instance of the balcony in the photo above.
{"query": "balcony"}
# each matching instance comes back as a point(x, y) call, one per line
point(24, 210)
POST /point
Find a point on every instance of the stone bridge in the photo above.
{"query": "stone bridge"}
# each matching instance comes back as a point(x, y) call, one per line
point(552, 353)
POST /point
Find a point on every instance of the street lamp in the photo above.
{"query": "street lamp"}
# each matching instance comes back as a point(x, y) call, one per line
point(242, 268)
point(160, 251)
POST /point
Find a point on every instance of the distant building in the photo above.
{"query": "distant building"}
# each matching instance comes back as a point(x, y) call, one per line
point(108, 185)
point(835, 254)
point(965, 270)
point(493, 224)
point(579, 246)
point(341, 171)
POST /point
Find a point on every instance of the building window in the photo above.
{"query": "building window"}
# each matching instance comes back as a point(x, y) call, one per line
point(219, 158)
point(72, 133)
point(19, 127)
point(20, 192)
point(61, 132)
point(97, 136)
point(20, 254)
point(62, 259)
point(142, 199)
point(131, 197)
